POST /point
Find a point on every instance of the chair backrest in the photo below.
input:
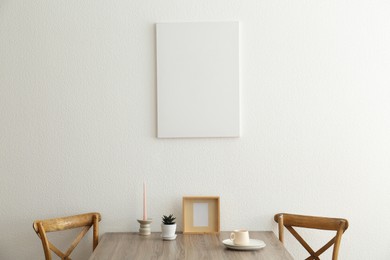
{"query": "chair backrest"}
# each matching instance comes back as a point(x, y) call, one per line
point(291, 220)
point(87, 220)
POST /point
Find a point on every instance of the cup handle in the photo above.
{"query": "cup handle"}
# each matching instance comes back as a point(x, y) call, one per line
point(232, 236)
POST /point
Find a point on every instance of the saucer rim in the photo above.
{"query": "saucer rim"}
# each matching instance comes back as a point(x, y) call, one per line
point(169, 238)
point(260, 244)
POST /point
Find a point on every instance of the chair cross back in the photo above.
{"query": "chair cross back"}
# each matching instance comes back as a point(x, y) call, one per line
point(323, 223)
point(86, 221)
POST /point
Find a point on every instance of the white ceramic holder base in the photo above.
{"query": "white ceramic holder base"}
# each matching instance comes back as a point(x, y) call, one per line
point(144, 229)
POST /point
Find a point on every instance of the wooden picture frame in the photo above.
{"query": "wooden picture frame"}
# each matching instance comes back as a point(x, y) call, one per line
point(201, 214)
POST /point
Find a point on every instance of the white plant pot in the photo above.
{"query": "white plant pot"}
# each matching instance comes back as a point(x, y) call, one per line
point(168, 230)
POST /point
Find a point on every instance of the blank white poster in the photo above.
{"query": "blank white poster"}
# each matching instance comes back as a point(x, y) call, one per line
point(198, 79)
point(201, 214)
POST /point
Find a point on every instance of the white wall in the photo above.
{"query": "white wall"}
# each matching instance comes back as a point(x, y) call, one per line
point(78, 118)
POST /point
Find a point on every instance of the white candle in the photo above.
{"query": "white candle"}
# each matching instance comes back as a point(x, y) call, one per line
point(145, 212)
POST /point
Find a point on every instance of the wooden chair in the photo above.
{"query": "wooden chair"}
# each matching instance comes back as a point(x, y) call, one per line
point(291, 220)
point(87, 220)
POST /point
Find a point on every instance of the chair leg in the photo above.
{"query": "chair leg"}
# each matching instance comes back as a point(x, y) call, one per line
point(95, 220)
point(281, 229)
point(44, 240)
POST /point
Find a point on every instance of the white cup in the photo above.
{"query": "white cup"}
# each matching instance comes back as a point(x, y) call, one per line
point(240, 237)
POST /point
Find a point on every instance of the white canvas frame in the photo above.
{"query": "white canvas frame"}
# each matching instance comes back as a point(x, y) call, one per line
point(198, 79)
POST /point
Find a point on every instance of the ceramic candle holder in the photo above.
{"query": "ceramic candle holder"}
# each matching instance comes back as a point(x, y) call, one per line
point(144, 229)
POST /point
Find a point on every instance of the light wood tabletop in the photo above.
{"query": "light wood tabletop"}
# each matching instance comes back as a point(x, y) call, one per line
point(118, 246)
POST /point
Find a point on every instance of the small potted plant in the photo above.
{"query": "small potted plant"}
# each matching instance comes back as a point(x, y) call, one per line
point(168, 227)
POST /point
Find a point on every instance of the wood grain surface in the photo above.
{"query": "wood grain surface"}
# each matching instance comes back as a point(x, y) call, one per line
point(186, 246)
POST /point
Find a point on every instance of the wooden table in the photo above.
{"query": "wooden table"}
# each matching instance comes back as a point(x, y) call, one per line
point(118, 246)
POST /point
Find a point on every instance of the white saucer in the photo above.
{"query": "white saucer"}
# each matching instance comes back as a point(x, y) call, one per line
point(254, 244)
point(169, 238)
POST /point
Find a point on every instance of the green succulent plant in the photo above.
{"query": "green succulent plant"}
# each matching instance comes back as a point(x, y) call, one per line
point(168, 220)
